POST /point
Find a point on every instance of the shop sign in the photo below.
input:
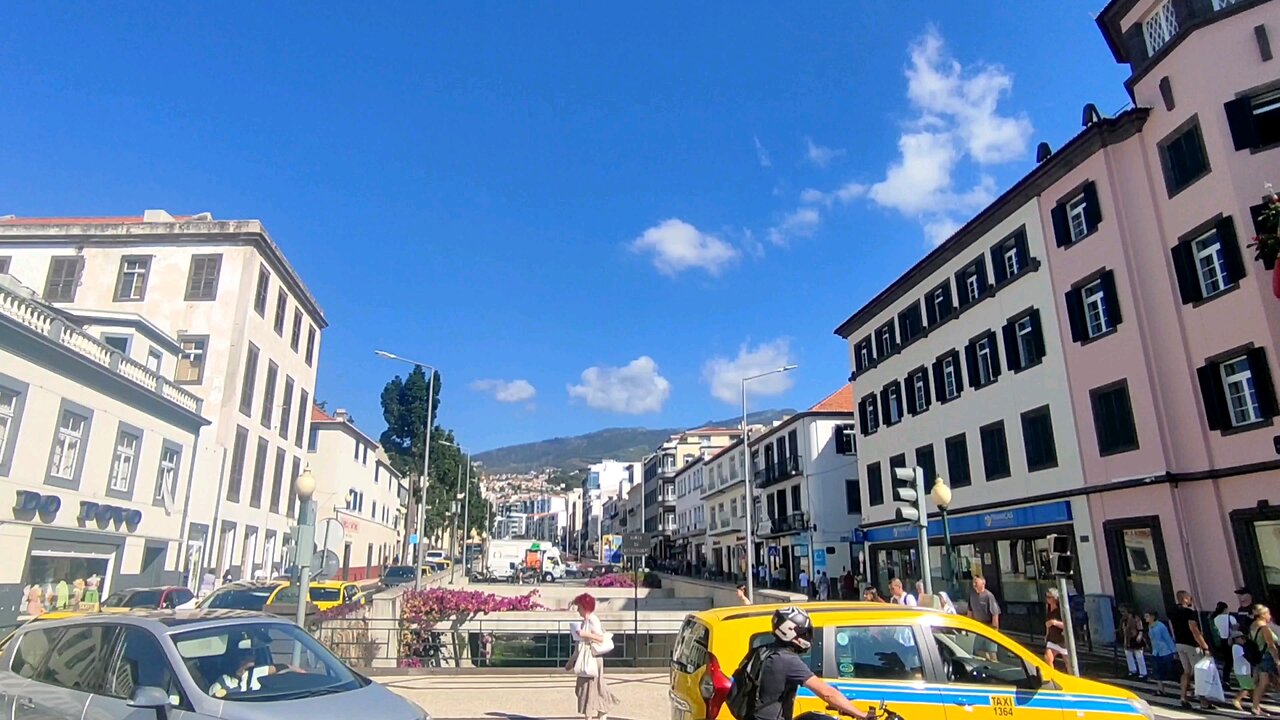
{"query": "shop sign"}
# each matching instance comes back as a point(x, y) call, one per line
point(1028, 516)
point(105, 515)
point(30, 502)
point(350, 526)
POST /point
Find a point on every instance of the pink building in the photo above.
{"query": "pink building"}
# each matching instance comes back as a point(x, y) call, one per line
point(1168, 324)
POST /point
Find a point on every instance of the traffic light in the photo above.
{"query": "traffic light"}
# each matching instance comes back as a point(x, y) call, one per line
point(1060, 561)
point(908, 492)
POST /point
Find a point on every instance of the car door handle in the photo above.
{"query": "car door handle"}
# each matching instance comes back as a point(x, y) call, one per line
point(26, 703)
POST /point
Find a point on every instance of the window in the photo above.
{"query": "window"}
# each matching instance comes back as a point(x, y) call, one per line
point(64, 278)
point(1023, 341)
point(311, 344)
point(925, 461)
point(249, 379)
point(878, 653)
point(1037, 439)
point(282, 302)
point(31, 652)
point(946, 376)
point(985, 369)
point(1077, 216)
point(155, 360)
point(1254, 120)
point(286, 408)
point(124, 462)
point(852, 497)
point(974, 659)
point(4, 264)
point(202, 279)
point(846, 439)
point(78, 658)
point(893, 405)
point(1182, 157)
point(132, 283)
point(167, 476)
point(869, 414)
point(295, 335)
point(140, 662)
point(277, 481)
point(269, 394)
point(1160, 27)
point(68, 442)
point(875, 488)
point(1010, 256)
point(958, 461)
point(10, 414)
point(119, 343)
point(191, 359)
point(1241, 392)
point(938, 305)
point(259, 474)
point(886, 341)
point(261, 291)
point(811, 657)
point(863, 355)
point(995, 451)
point(1207, 263)
point(1113, 419)
point(1093, 307)
point(304, 409)
point(973, 286)
point(910, 323)
point(235, 477)
point(918, 397)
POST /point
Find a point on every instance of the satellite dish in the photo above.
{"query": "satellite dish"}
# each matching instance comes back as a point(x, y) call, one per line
point(330, 543)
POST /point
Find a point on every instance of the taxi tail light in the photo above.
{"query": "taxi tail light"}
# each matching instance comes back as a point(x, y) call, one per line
point(714, 687)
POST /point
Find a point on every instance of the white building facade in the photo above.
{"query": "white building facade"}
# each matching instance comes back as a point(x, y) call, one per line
point(96, 458)
point(691, 521)
point(249, 332)
point(724, 502)
point(356, 487)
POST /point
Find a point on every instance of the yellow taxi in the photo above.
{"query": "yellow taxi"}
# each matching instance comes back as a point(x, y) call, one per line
point(257, 595)
point(923, 663)
point(329, 594)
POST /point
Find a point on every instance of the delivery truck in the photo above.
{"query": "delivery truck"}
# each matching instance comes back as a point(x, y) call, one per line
point(513, 560)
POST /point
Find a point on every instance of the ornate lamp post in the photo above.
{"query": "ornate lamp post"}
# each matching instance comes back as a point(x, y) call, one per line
point(306, 486)
point(941, 495)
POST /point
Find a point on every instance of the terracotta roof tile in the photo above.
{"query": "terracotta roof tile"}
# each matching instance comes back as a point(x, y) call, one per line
point(839, 401)
point(318, 415)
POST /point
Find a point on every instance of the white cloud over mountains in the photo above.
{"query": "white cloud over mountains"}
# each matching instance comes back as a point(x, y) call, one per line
point(724, 375)
point(632, 389)
point(506, 391)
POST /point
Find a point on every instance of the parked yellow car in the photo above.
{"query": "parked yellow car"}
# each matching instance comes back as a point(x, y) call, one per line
point(924, 664)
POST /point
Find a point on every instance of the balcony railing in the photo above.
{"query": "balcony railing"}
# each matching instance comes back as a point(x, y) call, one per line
point(782, 470)
point(35, 317)
point(790, 523)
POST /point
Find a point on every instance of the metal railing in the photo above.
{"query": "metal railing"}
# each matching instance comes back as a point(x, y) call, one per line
point(781, 470)
point(792, 522)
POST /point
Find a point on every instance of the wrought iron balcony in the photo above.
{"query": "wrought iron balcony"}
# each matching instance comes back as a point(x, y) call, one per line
point(773, 474)
point(790, 523)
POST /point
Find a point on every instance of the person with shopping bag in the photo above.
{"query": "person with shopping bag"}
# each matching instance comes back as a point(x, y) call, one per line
point(1192, 652)
point(595, 700)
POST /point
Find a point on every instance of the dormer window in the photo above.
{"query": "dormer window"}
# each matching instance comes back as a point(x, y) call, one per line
point(1160, 27)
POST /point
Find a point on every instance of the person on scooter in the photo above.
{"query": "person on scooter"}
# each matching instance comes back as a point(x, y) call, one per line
point(783, 672)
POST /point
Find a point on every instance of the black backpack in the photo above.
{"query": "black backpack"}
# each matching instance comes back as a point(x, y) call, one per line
point(1253, 653)
point(744, 694)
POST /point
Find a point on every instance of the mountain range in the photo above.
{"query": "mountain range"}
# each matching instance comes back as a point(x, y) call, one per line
point(579, 451)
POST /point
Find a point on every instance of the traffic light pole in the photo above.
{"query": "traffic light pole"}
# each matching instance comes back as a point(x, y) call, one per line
point(1064, 606)
point(908, 492)
point(924, 534)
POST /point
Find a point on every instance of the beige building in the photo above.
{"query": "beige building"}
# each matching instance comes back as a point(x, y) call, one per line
point(357, 487)
point(660, 495)
point(249, 332)
point(96, 457)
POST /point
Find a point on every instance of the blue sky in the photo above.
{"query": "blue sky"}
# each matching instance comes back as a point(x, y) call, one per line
point(585, 215)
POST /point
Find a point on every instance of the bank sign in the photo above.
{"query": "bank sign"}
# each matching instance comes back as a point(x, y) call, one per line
point(1031, 516)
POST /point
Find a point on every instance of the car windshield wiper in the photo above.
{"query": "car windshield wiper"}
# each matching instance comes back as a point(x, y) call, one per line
point(313, 692)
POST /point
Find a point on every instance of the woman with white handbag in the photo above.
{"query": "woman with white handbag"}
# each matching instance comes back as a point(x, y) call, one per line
point(595, 700)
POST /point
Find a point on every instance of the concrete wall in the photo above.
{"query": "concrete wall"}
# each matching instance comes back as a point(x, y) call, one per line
point(724, 595)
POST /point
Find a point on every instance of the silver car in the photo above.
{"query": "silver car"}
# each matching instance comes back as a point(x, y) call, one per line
point(183, 665)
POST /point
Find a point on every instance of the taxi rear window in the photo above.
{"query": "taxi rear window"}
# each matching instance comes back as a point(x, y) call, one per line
point(690, 652)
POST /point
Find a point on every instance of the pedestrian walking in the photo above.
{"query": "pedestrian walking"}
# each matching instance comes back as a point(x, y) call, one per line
point(1243, 670)
point(1133, 634)
point(1244, 609)
point(984, 608)
point(1223, 627)
point(1263, 636)
point(1191, 646)
point(848, 587)
point(595, 699)
point(898, 596)
point(871, 594)
point(1055, 637)
point(804, 582)
point(1163, 650)
point(824, 586)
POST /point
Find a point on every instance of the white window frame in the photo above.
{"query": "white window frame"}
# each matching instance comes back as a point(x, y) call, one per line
point(1023, 331)
point(949, 383)
point(886, 335)
point(68, 440)
point(195, 357)
point(986, 369)
point(123, 460)
point(1079, 225)
point(939, 295)
point(895, 406)
point(169, 461)
point(1011, 266)
point(972, 288)
point(1241, 395)
point(1096, 319)
point(918, 384)
point(1159, 27)
point(8, 415)
point(873, 417)
point(1211, 267)
point(864, 355)
point(155, 360)
point(135, 270)
point(1223, 4)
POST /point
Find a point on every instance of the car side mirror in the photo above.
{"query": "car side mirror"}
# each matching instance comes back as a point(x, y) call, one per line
point(150, 697)
point(1035, 678)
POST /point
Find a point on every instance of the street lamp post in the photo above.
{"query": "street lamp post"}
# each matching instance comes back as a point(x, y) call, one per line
point(426, 461)
point(941, 495)
point(466, 508)
point(305, 544)
point(746, 478)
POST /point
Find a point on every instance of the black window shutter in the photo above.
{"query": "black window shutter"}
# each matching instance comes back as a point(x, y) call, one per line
point(1214, 396)
point(1061, 227)
point(1136, 44)
point(1262, 382)
point(995, 355)
point(1075, 315)
point(997, 263)
point(962, 289)
point(981, 267)
point(897, 385)
point(937, 378)
point(971, 362)
point(1230, 251)
point(1244, 134)
point(886, 418)
point(1113, 299)
point(930, 310)
point(1024, 253)
point(1184, 267)
point(1037, 334)
point(1010, 345)
point(1092, 210)
point(928, 398)
point(910, 399)
point(862, 416)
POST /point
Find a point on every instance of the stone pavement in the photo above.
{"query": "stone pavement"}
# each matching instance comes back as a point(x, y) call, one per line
point(503, 696)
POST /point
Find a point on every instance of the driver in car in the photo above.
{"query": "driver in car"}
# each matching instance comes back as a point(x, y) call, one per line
point(243, 677)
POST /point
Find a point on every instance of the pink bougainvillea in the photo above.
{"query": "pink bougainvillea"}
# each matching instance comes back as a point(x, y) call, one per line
point(616, 580)
point(422, 612)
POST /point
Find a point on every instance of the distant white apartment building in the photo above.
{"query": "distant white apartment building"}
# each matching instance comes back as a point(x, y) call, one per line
point(249, 333)
point(724, 500)
point(691, 522)
point(603, 481)
point(97, 447)
point(357, 487)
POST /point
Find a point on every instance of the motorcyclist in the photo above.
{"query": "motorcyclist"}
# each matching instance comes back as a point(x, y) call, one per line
point(783, 672)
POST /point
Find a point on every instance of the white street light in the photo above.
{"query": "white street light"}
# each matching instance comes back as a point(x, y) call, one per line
point(305, 485)
point(746, 477)
point(941, 496)
point(426, 459)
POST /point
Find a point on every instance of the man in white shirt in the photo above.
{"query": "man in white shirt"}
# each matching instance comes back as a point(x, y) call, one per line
point(804, 582)
point(898, 596)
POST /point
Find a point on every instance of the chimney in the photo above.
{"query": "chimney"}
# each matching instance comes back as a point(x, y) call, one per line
point(1043, 152)
point(342, 415)
point(1090, 115)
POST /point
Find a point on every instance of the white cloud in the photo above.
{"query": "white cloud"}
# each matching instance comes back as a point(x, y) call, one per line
point(844, 195)
point(633, 389)
point(725, 375)
point(507, 391)
point(810, 196)
point(957, 120)
point(803, 222)
point(821, 156)
point(762, 155)
point(676, 246)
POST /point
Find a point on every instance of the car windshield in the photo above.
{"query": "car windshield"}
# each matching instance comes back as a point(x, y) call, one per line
point(139, 599)
point(239, 598)
point(261, 662)
point(399, 572)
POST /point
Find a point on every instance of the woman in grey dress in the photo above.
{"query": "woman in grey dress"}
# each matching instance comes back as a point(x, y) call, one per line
point(595, 700)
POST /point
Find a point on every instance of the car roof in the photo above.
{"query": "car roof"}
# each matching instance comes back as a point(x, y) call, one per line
point(253, 584)
point(162, 620)
point(877, 610)
point(158, 588)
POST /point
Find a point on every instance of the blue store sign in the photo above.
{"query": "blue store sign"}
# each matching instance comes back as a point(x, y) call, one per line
point(1030, 516)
